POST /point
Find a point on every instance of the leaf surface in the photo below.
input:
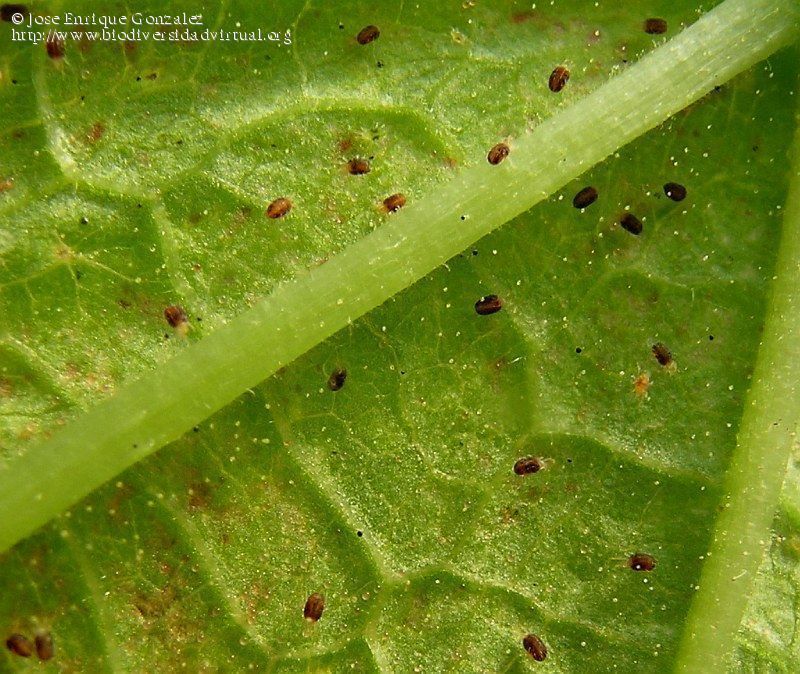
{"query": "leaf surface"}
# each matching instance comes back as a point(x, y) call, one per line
point(139, 175)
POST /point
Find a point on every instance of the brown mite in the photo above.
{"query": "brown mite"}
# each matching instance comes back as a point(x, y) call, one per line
point(55, 48)
point(641, 385)
point(7, 11)
point(528, 465)
point(368, 34)
point(357, 166)
point(20, 645)
point(655, 26)
point(394, 202)
point(175, 315)
point(558, 79)
point(535, 647)
point(314, 607)
point(44, 645)
point(662, 354)
point(642, 562)
point(498, 153)
point(675, 191)
point(337, 379)
point(630, 223)
point(586, 197)
point(278, 208)
point(488, 304)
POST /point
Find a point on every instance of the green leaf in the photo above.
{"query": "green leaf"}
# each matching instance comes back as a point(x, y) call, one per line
point(138, 179)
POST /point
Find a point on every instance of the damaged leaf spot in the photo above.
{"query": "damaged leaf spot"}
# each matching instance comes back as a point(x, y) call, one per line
point(535, 647)
point(488, 304)
point(337, 379)
point(314, 607)
point(278, 208)
point(641, 561)
point(368, 34)
point(498, 153)
point(558, 79)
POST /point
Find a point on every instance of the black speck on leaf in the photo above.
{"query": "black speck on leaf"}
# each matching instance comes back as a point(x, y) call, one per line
point(337, 379)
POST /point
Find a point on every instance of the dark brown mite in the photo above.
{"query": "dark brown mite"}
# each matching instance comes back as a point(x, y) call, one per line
point(655, 26)
point(358, 167)
point(44, 645)
point(488, 304)
point(558, 79)
point(20, 645)
point(527, 465)
point(337, 379)
point(55, 48)
point(314, 607)
point(662, 354)
point(535, 647)
point(586, 197)
point(175, 315)
point(642, 562)
point(368, 34)
point(630, 223)
point(7, 11)
point(394, 202)
point(498, 153)
point(278, 208)
point(675, 191)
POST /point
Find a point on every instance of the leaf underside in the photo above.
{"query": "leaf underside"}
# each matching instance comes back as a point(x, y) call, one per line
point(138, 177)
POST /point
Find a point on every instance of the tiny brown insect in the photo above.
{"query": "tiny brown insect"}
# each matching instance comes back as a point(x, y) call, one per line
point(675, 191)
point(535, 647)
point(20, 645)
point(175, 315)
point(641, 385)
point(558, 79)
point(662, 354)
point(357, 166)
point(394, 202)
point(642, 562)
point(528, 465)
point(278, 208)
point(368, 34)
point(630, 223)
point(7, 11)
point(498, 153)
point(96, 132)
point(488, 304)
point(55, 48)
point(337, 379)
point(586, 197)
point(314, 607)
point(44, 645)
point(655, 26)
